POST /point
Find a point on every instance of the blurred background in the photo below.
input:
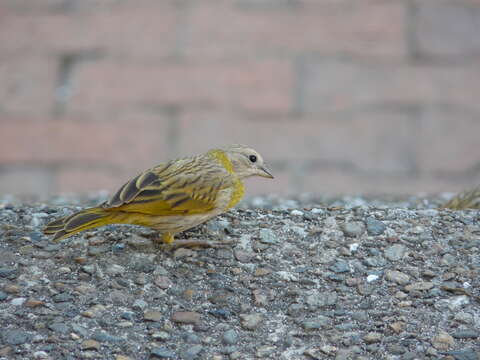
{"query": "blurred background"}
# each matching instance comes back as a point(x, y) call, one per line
point(340, 96)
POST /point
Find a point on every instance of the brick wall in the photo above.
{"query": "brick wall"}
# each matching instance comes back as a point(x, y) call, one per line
point(341, 96)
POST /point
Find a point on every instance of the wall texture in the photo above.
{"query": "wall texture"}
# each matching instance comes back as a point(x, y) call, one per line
point(341, 96)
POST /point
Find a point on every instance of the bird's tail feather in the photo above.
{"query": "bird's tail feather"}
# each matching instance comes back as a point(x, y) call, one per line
point(80, 221)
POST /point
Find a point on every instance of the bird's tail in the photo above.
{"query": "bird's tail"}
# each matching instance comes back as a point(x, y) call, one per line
point(82, 220)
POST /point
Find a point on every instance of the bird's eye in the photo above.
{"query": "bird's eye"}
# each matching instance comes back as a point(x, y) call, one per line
point(253, 158)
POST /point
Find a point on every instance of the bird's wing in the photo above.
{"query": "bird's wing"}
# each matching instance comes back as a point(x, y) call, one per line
point(172, 189)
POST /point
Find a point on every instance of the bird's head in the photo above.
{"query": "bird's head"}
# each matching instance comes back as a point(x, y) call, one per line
point(246, 161)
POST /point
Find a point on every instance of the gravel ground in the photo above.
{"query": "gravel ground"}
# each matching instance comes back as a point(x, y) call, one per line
point(307, 278)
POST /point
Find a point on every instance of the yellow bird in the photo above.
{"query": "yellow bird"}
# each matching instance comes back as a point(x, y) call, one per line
point(173, 196)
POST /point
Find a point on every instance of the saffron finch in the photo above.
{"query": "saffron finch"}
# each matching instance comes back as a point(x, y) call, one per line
point(173, 196)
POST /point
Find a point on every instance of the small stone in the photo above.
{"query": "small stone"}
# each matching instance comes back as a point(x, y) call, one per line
point(296, 212)
point(375, 227)
point(268, 236)
point(183, 252)
point(122, 357)
point(466, 334)
point(340, 266)
point(397, 326)
point(395, 252)
point(16, 337)
point(397, 277)
point(328, 349)
point(152, 315)
point(5, 351)
point(464, 317)
point(18, 301)
point(318, 299)
point(262, 272)
point(59, 327)
point(419, 286)
point(186, 317)
point(443, 341)
point(139, 242)
point(32, 303)
point(62, 297)
point(12, 289)
point(3, 295)
point(90, 345)
point(161, 335)
point(163, 282)
point(8, 273)
point(372, 278)
point(260, 297)
point(139, 304)
point(317, 323)
point(102, 336)
point(40, 355)
point(191, 352)
point(251, 321)
point(162, 353)
point(115, 269)
point(265, 350)
point(230, 337)
point(354, 228)
point(466, 354)
point(372, 337)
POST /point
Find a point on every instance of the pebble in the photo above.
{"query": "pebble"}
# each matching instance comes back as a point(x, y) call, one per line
point(372, 337)
point(162, 353)
point(152, 315)
point(464, 317)
point(103, 336)
point(268, 236)
point(318, 299)
point(251, 321)
point(395, 252)
point(397, 277)
point(419, 286)
point(139, 304)
point(186, 317)
point(340, 266)
point(296, 212)
point(90, 345)
point(375, 227)
point(8, 273)
point(230, 337)
point(317, 323)
point(443, 341)
point(354, 228)
point(18, 301)
point(59, 327)
point(191, 352)
point(15, 337)
point(163, 282)
point(464, 354)
point(466, 334)
point(3, 295)
point(139, 242)
point(372, 278)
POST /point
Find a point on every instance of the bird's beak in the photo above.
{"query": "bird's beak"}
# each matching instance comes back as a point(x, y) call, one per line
point(265, 172)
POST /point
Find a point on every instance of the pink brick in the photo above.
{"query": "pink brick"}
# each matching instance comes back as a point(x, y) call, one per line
point(87, 180)
point(446, 28)
point(367, 142)
point(132, 145)
point(449, 142)
point(263, 86)
point(332, 86)
point(27, 85)
point(26, 181)
point(360, 28)
point(340, 182)
point(141, 30)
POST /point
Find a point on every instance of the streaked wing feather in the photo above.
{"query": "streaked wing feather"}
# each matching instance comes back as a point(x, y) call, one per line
point(172, 190)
